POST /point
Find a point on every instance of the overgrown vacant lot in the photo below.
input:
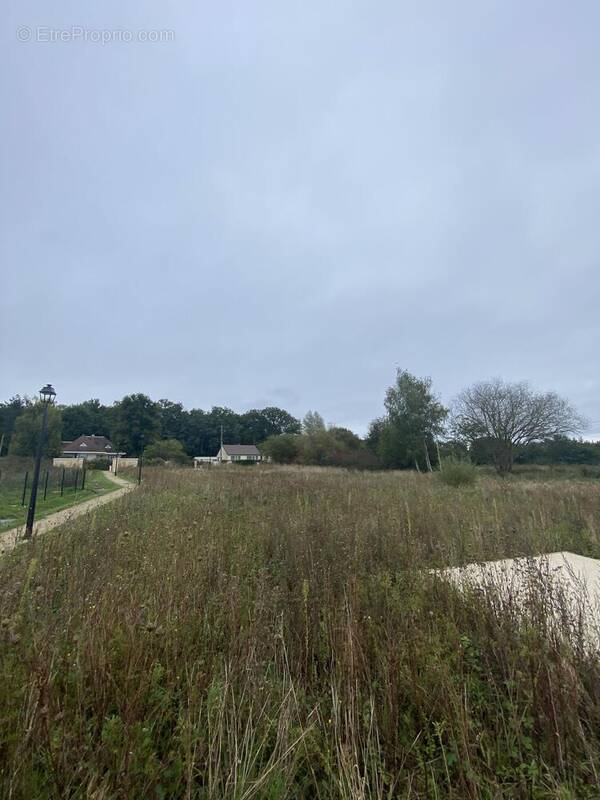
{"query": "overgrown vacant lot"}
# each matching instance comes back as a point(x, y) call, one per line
point(246, 633)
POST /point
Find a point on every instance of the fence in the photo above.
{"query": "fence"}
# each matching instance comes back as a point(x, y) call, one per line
point(15, 485)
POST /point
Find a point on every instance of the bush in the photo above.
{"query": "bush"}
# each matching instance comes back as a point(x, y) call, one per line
point(590, 472)
point(165, 450)
point(98, 463)
point(283, 449)
point(155, 461)
point(457, 472)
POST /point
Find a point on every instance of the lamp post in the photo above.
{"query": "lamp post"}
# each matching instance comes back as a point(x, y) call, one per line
point(47, 395)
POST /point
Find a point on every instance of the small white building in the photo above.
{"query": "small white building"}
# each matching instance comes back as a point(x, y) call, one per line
point(200, 461)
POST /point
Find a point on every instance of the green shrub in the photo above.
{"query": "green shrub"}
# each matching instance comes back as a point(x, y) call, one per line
point(592, 471)
point(282, 449)
point(165, 450)
point(98, 463)
point(457, 472)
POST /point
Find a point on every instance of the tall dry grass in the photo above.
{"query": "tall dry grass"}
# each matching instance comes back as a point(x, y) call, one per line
point(278, 633)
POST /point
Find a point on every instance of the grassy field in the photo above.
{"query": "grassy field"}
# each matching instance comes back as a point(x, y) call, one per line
point(13, 514)
point(277, 633)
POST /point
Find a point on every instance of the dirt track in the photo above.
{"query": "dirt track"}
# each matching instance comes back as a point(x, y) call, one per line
point(12, 537)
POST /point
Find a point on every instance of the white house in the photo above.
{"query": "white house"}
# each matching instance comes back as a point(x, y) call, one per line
point(230, 453)
point(238, 452)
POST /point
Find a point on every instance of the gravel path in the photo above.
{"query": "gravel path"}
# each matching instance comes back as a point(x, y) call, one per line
point(10, 538)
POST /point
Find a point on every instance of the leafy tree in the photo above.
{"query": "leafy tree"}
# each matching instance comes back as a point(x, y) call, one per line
point(482, 450)
point(319, 448)
point(559, 450)
point(336, 447)
point(9, 411)
point(455, 450)
point(258, 424)
point(511, 415)
point(283, 449)
point(217, 417)
point(373, 436)
point(173, 419)
point(196, 433)
point(346, 437)
point(281, 421)
point(313, 423)
point(414, 419)
point(563, 450)
point(89, 417)
point(136, 422)
point(254, 427)
point(27, 431)
point(166, 450)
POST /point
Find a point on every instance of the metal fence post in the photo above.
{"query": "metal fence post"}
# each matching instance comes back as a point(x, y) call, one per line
point(62, 482)
point(46, 483)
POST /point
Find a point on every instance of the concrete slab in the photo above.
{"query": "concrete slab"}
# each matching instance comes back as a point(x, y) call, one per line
point(568, 585)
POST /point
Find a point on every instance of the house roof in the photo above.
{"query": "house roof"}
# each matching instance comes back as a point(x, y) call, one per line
point(88, 444)
point(241, 449)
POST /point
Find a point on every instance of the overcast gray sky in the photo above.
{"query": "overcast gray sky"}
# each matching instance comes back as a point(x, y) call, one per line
point(283, 201)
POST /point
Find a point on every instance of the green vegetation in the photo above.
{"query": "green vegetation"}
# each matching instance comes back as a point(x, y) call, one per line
point(457, 472)
point(98, 463)
point(333, 447)
point(405, 437)
point(24, 441)
point(278, 633)
point(130, 474)
point(165, 450)
point(493, 422)
point(12, 473)
point(137, 421)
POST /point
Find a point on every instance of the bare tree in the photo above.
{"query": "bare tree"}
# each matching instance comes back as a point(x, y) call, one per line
point(511, 414)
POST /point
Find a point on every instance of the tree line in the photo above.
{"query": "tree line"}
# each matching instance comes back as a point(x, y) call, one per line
point(136, 422)
point(491, 422)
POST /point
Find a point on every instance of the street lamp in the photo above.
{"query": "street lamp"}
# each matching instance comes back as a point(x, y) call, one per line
point(47, 395)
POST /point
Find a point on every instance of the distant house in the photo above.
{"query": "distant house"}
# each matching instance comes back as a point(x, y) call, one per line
point(230, 453)
point(90, 447)
point(238, 452)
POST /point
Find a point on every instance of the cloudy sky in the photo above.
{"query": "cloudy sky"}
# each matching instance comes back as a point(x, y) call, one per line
point(281, 202)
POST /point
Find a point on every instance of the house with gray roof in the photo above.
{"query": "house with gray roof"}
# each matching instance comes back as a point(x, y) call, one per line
point(230, 454)
point(238, 452)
